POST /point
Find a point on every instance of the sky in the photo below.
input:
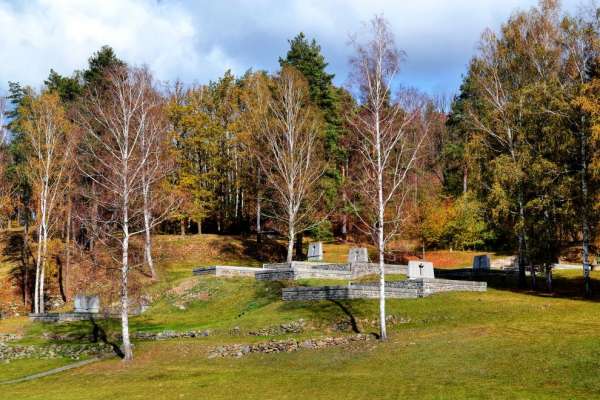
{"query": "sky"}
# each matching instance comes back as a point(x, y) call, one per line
point(196, 41)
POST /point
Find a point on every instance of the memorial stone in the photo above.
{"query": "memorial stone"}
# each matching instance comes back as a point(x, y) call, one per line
point(481, 263)
point(420, 269)
point(315, 251)
point(358, 255)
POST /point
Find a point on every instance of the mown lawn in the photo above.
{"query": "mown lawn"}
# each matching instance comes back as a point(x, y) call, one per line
point(493, 345)
point(497, 344)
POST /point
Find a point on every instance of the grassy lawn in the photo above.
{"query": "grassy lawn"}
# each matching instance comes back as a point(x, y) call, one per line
point(462, 345)
point(497, 344)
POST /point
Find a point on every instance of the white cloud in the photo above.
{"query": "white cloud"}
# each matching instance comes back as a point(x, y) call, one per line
point(199, 40)
point(60, 34)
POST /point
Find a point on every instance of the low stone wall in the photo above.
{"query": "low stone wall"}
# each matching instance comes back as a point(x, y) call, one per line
point(274, 275)
point(408, 289)
point(362, 269)
point(345, 292)
point(307, 270)
point(227, 270)
point(431, 286)
point(63, 317)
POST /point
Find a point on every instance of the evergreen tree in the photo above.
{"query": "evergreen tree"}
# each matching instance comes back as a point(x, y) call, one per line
point(305, 56)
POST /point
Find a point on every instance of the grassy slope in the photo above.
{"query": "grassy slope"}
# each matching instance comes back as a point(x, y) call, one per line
point(498, 344)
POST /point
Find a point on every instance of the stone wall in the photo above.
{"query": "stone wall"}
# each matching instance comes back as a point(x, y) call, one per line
point(408, 289)
point(227, 270)
point(274, 275)
point(306, 270)
point(63, 317)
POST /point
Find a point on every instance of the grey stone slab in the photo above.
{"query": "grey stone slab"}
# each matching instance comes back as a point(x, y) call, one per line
point(315, 251)
point(87, 304)
point(420, 269)
point(481, 263)
point(358, 255)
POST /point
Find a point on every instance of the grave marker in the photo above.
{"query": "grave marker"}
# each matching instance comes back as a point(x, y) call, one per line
point(315, 251)
point(481, 263)
point(420, 269)
point(87, 304)
point(358, 255)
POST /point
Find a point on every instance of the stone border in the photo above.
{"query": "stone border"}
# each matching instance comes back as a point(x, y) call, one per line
point(227, 270)
point(409, 289)
point(64, 317)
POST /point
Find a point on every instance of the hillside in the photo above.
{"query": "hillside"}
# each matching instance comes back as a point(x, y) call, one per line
point(475, 345)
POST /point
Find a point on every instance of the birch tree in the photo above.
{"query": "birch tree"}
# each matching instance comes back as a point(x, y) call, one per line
point(291, 163)
point(152, 123)
point(117, 121)
point(46, 132)
point(386, 151)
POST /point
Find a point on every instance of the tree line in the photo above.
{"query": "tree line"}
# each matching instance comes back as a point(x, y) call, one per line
point(93, 159)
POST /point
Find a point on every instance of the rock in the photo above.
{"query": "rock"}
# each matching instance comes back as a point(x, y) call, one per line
point(284, 346)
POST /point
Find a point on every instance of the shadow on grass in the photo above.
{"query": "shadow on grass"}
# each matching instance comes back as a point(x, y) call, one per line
point(98, 333)
point(566, 287)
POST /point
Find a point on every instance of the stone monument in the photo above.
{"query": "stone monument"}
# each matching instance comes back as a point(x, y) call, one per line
point(358, 255)
point(87, 304)
point(420, 269)
point(481, 263)
point(315, 251)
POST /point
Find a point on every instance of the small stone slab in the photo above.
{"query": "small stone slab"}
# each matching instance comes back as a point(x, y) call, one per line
point(420, 269)
point(481, 263)
point(87, 304)
point(315, 251)
point(358, 255)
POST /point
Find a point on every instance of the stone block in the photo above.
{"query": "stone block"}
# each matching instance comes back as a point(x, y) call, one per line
point(87, 304)
point(315, 251)
point(481, 263)
point(358, 255)
point(420, 269)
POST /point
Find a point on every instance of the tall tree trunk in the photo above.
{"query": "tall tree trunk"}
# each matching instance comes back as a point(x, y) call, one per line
point(68, 250)
point(522, 245)
point(465, 179)
point(584, 214)
point(182, 226)
point(127, 351)
point(381, 251)
point(38, 273)
point(25, 260)
point(344, 213)
point(258, 222)
point(290, 249)
point(147, 231)
point(380, 232)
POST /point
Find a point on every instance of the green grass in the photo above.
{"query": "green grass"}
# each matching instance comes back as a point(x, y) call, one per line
point(493, 345)
point(460, 345)
point(19, 368)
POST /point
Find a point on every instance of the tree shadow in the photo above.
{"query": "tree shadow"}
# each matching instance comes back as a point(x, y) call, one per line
point(17, 253)
point(99, 334)
point(347, 310)
point(565, 287)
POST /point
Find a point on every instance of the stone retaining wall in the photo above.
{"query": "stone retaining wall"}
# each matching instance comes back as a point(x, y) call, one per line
point(305, 270)
point(63, 317)
point(275, 275)
point(227, 270)
point(409, 289)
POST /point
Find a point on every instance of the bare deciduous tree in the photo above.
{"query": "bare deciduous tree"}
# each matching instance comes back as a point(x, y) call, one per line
point(386, 149)
point(291, 162)
point(122, 135)
point(46, 130)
